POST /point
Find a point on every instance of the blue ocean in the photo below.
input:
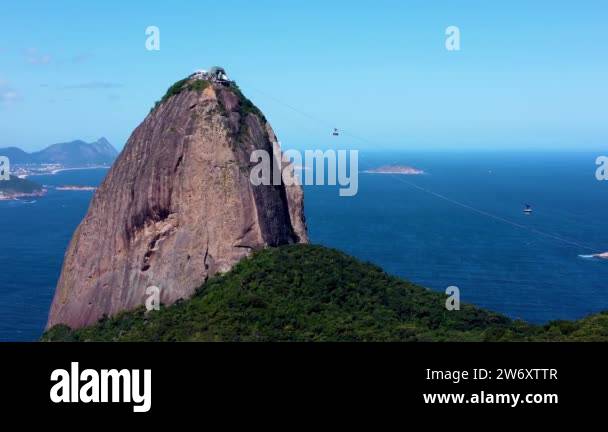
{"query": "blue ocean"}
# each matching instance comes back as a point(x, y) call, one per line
point(460, 224)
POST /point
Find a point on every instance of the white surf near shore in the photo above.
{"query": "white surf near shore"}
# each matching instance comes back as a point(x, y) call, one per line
point(395, 169)
point(602, 256)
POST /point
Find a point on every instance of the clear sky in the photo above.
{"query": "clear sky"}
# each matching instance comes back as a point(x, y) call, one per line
point(530, 74)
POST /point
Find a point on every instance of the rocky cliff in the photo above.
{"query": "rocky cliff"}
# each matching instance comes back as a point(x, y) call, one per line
point(176, 207)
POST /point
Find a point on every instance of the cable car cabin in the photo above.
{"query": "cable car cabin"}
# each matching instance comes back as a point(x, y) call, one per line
point(219, 75)
point(336, 132)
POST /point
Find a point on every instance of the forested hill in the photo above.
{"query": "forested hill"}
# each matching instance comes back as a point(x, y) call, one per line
point(311, 293)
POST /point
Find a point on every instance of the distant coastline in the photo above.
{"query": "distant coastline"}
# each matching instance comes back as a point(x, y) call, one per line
point(25, 172)
point(20, 187)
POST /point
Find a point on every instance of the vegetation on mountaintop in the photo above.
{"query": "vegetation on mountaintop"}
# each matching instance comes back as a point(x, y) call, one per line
point(311, 293)
point(181, 85)
point(247, 106)
point(199, 85)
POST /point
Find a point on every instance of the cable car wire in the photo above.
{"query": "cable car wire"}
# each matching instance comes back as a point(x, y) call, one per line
point(435, 194)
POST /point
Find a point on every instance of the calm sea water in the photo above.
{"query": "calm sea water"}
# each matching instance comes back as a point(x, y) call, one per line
point(461, 224)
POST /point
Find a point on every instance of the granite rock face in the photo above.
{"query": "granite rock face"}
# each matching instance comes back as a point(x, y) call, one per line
point(176, 207)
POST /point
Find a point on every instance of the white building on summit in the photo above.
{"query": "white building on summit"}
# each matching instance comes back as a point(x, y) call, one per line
point(215, 74)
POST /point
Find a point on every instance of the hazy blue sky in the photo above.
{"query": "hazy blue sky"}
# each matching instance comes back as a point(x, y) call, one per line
point(529, 74)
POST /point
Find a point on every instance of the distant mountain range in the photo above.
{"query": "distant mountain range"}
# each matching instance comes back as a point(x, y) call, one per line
point(70, 154)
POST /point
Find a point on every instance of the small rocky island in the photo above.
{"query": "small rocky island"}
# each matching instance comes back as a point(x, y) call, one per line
point(395, 169)
point(17, 188)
